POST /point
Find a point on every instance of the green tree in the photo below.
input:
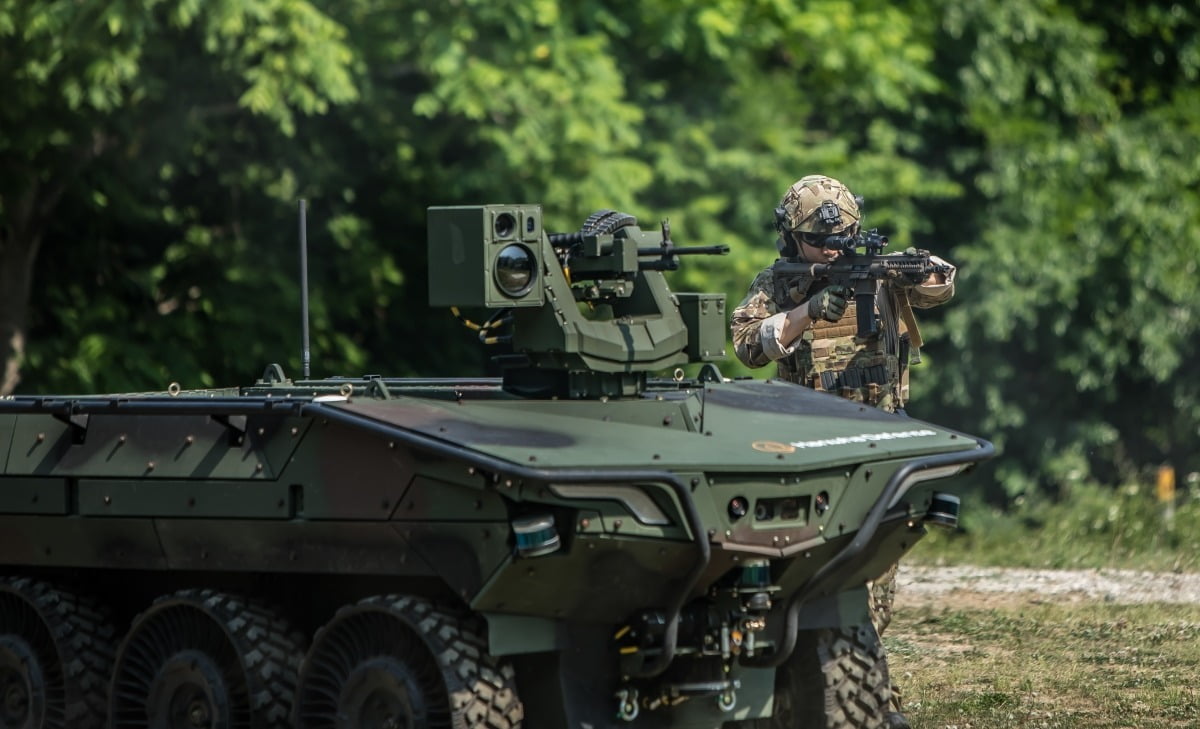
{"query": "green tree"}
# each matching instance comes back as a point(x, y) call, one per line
point(467, 102)
point(111, 111)
point(153, 156)
point(1076, 348)
point(701, 114)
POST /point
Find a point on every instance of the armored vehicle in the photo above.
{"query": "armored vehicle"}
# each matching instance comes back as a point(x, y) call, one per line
point(580, 542)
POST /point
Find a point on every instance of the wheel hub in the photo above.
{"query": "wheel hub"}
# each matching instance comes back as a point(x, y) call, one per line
point(22, 686)
point(378, 695)
point(189, 693)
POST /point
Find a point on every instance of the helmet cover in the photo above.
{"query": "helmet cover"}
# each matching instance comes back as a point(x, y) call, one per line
point(817, 204)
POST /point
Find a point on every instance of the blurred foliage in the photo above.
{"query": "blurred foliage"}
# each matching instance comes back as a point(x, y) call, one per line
point(1075, 350)
point(1087, 527)
point(151, 156)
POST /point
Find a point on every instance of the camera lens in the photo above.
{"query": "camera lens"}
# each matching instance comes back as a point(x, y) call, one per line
point(505, 225)
point(515, 270)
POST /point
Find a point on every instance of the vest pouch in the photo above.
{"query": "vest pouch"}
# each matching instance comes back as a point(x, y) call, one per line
point(858, 372)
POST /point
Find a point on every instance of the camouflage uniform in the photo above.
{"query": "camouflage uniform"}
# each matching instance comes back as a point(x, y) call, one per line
point(829, 356)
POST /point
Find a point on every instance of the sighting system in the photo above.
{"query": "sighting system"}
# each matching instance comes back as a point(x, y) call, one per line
point(588, 314)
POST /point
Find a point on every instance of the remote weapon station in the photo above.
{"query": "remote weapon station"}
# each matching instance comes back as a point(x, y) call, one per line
point(578, 543)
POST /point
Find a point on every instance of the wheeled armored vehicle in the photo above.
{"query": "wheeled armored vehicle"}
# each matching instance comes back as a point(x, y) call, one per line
point(580, 542)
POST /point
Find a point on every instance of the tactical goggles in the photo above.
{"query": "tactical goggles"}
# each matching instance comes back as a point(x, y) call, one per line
point(824, 241)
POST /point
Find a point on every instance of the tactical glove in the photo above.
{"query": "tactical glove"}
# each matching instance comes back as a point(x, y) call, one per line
point(828, 304)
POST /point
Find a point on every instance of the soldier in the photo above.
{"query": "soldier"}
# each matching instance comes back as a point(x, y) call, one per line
point(813, 347)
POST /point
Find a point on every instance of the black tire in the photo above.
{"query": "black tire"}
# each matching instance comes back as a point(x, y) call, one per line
point(56, 650)
point(604, 222)
point(205, 658)
point(397, 661)
point(836, 678)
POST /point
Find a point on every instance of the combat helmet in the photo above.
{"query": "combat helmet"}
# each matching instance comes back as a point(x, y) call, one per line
point(815, 204)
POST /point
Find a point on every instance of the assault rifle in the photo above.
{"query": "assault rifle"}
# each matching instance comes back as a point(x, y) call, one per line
point(858, 271)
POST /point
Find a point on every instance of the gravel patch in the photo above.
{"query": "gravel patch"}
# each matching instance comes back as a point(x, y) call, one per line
point(927, 585)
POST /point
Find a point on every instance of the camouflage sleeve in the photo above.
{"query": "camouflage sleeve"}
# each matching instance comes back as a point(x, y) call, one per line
point(927, 296)
point(754, 324)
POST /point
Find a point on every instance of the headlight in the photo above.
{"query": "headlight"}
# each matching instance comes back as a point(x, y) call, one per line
point(928, 474)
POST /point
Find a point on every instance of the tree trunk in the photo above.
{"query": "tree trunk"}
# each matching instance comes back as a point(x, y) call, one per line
point(16, 273)
point(20, 238)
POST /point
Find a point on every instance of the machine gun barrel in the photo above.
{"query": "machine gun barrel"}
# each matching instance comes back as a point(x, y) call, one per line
point(717, 250)
point(667, 253)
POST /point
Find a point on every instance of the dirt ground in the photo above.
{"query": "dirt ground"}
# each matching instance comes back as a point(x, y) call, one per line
point(982, 587)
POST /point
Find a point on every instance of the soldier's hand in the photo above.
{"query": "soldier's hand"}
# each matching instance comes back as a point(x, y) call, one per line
point(828, 304)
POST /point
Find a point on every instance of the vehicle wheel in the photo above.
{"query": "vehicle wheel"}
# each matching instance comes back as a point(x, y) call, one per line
point(201, 659)
point(56, 650)
point(393, 662)
point(836, 678)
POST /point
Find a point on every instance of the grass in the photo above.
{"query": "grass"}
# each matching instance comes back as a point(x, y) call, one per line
point(1048, 666)
point(1008, 662)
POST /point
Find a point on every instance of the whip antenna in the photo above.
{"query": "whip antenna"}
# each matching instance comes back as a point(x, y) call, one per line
point(305, 354)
